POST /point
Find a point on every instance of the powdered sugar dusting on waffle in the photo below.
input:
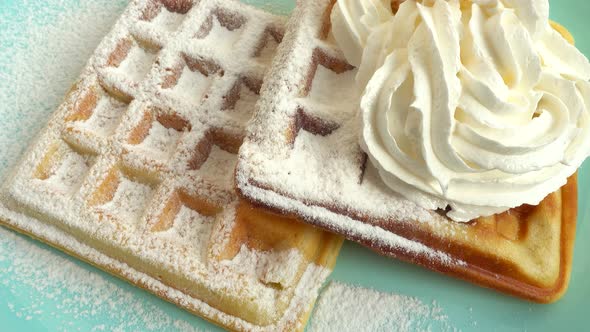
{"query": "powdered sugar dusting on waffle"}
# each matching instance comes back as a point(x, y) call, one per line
point(192, 85)
point(312, 275)
point(40, 276)
point(281, 268)
point(137, 64)
point(129, 200)
point(128, 163)
point(302, 153)
point(224, 37)
point(161, 141)
point(216, 168)
point(191, 229)
point(168, 20)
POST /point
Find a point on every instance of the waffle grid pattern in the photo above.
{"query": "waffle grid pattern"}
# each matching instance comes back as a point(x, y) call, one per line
point(306, 127)
point(138, 162)
point(302, 157)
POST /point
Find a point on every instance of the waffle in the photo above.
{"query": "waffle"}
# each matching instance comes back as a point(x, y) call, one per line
point(134, 172)
point(301, 158)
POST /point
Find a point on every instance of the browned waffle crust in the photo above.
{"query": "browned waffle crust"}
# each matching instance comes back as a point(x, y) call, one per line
point(134, 172)
point(302, 158)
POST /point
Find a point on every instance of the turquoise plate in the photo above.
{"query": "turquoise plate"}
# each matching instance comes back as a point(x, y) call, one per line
point(30, 305)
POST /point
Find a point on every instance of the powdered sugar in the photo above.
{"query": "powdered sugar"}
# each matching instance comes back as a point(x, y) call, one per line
point(192, 229)
point(219, 168)
point(244, 107)
point(279, 268)
point(168, 20)
point(32, 84)
point(105, 117)
point(222, 36)
point(268, 51)
point(161, 141)
point(302, 153)
point(65, 178)
point(330, 88)
point(51, 234)
point(120, 197)
point(192, 85)
point(91, 301)
point(137, 63)
point(350, 308)
point(129, 201)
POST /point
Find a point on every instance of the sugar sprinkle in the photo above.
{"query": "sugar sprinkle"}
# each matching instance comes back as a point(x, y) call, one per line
point(44, 276)
point(344, 308)
point(32, 84)
point(40, 59)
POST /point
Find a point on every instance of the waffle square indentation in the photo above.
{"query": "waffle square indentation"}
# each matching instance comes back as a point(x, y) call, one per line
point(268, 45)
point(96, 112)
point(190, 79)
point(122, 196)
point(63, 168)
point(158, 133)
point(166, 13)
point(239, 102)
point(186, 218)
point(223, 28)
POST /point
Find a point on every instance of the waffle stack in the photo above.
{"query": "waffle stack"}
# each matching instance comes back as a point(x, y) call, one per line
point(302, 158)
point(134, 172)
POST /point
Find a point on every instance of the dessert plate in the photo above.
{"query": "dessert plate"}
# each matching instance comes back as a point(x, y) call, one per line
point(467, 307)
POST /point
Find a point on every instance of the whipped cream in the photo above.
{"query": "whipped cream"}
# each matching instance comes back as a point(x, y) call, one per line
point(478, 106)
point(353, 21)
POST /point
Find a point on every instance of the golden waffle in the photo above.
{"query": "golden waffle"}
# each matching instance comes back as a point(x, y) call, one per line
point(302, 158)
point(134, 172)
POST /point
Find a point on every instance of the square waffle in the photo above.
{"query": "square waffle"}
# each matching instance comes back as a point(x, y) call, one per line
point(302, 158)
point(134, 172)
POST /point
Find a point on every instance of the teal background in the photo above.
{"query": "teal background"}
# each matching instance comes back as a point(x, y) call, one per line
point(467, 307)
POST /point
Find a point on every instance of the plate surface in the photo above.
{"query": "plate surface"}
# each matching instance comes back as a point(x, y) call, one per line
point(26, 306)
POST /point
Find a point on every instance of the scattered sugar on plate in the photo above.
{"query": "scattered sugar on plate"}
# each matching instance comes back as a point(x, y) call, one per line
point(37, 67)
point(40, 59)
point(343, 308)
point(90, 300)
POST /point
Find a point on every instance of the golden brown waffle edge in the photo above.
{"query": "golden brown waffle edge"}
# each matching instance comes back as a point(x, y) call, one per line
point(525, 252)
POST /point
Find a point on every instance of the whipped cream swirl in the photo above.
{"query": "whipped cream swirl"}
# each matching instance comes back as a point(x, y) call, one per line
point(476, 105)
